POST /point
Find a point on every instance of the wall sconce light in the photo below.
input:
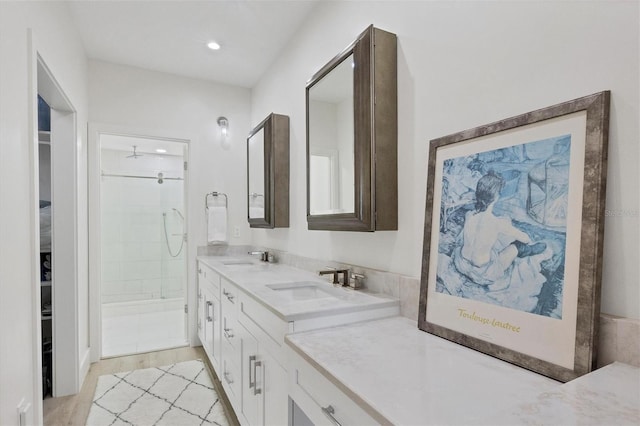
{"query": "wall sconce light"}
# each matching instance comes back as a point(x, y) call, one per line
point(223, 124)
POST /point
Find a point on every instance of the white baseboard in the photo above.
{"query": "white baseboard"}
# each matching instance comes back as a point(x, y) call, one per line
point(85, 364)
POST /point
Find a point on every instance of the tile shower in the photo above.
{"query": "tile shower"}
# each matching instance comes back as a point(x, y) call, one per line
point(143, 255)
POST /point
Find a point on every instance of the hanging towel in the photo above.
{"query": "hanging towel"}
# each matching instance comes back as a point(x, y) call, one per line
point(216, 224)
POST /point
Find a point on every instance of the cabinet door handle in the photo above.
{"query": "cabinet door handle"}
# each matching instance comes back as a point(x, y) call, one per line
point(256, 391)
point(209, 311)
point(227, 331)
point(199, 270)
point(252, 359)
point(228, 295)
point(329, 412)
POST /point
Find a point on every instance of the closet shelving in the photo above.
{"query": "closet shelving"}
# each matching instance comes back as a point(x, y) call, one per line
point(46, 284)
point(44, 137)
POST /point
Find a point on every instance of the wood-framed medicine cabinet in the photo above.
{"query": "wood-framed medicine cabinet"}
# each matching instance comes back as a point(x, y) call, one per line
point(352, 131)
point(268, 173)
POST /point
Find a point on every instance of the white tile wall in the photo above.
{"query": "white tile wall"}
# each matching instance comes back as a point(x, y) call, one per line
point(135, 260)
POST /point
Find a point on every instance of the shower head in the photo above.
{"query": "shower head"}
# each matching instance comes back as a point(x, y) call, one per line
point(135, 154)
point(160, 178)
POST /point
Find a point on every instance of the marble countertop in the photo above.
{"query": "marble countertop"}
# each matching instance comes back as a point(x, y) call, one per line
point(399, 373)
point(608, 396)
point(261, 281)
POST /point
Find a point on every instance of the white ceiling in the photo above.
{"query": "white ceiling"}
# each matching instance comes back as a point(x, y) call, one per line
point(171, 36)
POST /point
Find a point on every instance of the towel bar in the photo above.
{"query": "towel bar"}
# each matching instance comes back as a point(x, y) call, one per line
point(215, 194)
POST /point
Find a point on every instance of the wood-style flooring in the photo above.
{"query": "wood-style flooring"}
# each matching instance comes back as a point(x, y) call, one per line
point(74, 409)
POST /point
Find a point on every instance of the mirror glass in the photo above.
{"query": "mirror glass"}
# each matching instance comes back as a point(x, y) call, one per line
point(256, 175)
point(331, 142)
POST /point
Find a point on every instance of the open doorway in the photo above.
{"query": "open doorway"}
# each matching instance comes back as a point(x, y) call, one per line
point(57, 257)
point(143, 248)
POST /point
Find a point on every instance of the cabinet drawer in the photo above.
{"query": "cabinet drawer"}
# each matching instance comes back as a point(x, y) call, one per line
point(231, 380)
point(230, 339)
point(229, 296)
point(320, 399)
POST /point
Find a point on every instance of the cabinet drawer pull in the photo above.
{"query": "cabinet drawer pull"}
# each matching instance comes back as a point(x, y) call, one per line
point(228, 295)
point(329, 412)
point(209, 311)
point(228, 333)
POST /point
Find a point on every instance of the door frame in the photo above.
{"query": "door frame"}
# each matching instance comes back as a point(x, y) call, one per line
point(68, 368)
point(95, 239)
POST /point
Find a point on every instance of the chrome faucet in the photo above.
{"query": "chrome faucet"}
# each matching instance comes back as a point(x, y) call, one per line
point(264, 255)
point(336, 273)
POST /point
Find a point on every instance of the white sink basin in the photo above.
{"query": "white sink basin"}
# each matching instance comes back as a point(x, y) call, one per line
point(305, 290)
point(237, 263)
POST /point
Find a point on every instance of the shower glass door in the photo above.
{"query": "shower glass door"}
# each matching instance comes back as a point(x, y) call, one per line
point(143, 231)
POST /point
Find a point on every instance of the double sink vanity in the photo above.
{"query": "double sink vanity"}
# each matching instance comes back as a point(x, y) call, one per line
point(290, 348)
point(247, 307)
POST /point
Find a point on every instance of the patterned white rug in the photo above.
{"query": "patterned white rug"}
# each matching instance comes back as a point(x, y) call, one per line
point(180, 395)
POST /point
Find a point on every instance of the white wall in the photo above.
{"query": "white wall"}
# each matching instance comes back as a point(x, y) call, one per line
point(461, 65)
point(56, 41)
point(164, 105)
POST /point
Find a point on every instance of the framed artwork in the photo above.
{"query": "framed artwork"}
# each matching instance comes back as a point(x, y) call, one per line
point(512, 255)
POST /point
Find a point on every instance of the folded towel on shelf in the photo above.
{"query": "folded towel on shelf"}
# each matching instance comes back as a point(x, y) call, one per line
point(216, 224)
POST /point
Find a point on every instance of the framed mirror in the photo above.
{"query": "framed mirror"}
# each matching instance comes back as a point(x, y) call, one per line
point(351, 106)
point(268, 173)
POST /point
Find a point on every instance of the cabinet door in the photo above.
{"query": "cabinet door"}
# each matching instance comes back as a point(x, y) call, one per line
point(201, 305)
point(273, 380)
point(216, 336)
point(251, 391)
point(211, 326)
point(201, 313)
point(264, 384)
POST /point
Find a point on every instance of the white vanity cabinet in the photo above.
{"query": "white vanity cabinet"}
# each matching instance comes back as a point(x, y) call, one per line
point(248, 346)
point(255, 382)
point(253, 312)
point(209, 313)
point(230, 372)
point(265, 387)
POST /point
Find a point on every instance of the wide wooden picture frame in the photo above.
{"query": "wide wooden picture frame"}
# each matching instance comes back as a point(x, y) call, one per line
point(513, 237)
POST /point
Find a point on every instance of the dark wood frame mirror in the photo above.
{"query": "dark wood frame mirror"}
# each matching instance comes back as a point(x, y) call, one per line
point(375, 135)
point(275, 130)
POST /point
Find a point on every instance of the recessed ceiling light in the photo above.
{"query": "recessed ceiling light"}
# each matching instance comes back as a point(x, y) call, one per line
point(213, 45)
point(161, 151)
